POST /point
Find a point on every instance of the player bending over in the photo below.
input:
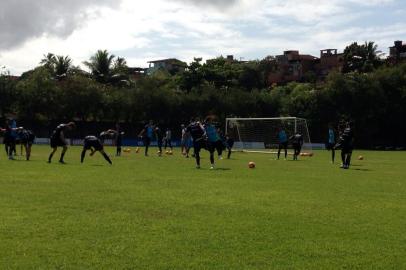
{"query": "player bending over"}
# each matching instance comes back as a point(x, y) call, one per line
point(214, 140)
point(198, 134)
point(283, 142)
point(94, 144)
point(58, 140)
point(297, 143)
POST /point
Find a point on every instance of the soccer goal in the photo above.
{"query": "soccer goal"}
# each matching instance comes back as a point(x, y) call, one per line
point(261, 134)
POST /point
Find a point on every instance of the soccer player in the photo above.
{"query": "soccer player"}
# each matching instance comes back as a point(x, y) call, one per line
point(168, 138)
point(297, 143)
point(27, 138)
point(94, 144)
point(9, 139)
point(331, 142)
point(58, 139)
point(214, 140)
point(198, 134)
point(346, 144)
point(229, 145)
point(283, 142)
point(159, 139)
point(147, 134)
point(118, 139)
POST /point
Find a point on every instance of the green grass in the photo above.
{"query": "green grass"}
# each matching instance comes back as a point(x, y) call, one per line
point(162, 213)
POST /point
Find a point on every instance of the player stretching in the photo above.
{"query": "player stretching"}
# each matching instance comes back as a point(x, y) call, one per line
point(146, 134)
point(94, 144)
point(297, 143)
point(196, 130)
point(331, 142)
point(283, 142)
point(214, 140)
point(346, 145)
point(58, 139)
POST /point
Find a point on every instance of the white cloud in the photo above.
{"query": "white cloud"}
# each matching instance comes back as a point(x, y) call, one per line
point(145, 30)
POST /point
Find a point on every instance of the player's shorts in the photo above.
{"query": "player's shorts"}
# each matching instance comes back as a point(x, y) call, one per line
point(96, 144)
point(198, 145)
point(330, 146)
point(229, 144)
point(55, 142)
point(146, 140)
point(212, 146)
point(8, 139)
point(283, 145)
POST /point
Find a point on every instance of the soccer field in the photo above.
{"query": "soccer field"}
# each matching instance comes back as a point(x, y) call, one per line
point(162, 213)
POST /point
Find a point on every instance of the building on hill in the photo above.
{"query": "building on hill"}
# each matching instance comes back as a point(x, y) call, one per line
point(397, 53)
point(171, 65)
point(135, 73)
point(330, 60)
point(291, 66)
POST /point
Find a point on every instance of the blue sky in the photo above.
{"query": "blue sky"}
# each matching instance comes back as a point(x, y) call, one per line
point(148, 30)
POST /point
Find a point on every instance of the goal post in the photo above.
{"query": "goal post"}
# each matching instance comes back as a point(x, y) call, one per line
point(261, 134)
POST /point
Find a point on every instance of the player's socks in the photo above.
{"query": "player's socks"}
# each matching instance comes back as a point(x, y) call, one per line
point(82, 156)
point(62, 156)
point(106, 157)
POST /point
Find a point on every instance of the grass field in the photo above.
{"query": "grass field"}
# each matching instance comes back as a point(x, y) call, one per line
point(162, 213)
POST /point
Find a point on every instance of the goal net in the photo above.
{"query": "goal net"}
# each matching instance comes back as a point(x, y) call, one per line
point(261, 134)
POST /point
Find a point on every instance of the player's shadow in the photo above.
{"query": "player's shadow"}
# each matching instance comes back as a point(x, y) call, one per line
point(222, 169)
point(97, 165)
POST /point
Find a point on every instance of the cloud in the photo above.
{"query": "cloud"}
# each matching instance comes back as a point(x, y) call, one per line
point(21, 20)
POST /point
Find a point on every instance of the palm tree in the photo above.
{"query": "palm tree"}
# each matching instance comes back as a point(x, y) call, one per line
point(100, 65)
point(62, 66)
point(48, 61)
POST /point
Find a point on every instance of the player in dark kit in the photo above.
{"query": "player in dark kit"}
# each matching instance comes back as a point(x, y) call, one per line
point(346, 144)
point(118, 140)
point(196, 130)
point(159, 139)
point(27, 138)
point(94, 144)
point(58, 139)
point(229, 145)
point(10, 138)
point(297, 143)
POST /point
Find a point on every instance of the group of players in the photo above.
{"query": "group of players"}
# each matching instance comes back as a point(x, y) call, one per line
point(197, 135)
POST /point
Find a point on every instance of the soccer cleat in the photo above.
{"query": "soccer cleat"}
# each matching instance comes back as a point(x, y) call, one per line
point(211, 167)
point(198, 167)
point(220, 157)
point(62, 162)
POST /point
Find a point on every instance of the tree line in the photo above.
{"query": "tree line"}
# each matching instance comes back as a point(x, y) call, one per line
point(368, 91)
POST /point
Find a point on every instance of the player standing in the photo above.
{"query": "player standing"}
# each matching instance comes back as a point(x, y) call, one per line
point(198, 134)
point(346, 144)
point(58, 139)
point(168, 138)
point(297, 143)
point(229, 145)
point(159, 139)
point(94, 144)
point(118, 139)
point(331, 142)
point(147, 134)
point(214, 140)
point(283, 142)
point(27, 138)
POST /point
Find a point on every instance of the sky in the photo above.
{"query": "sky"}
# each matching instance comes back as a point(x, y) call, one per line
point(141, 31)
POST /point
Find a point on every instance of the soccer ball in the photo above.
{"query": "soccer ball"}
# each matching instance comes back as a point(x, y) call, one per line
point(127, 150)
point(170, 153)
point(360, 158)
point(310, 154)
point(251, 165)
point(137, 150)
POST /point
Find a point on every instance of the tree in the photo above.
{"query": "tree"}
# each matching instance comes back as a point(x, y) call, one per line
point(361, 58)
point(100, 65)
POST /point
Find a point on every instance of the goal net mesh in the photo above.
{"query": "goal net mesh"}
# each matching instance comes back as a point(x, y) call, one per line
point(261, 134)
